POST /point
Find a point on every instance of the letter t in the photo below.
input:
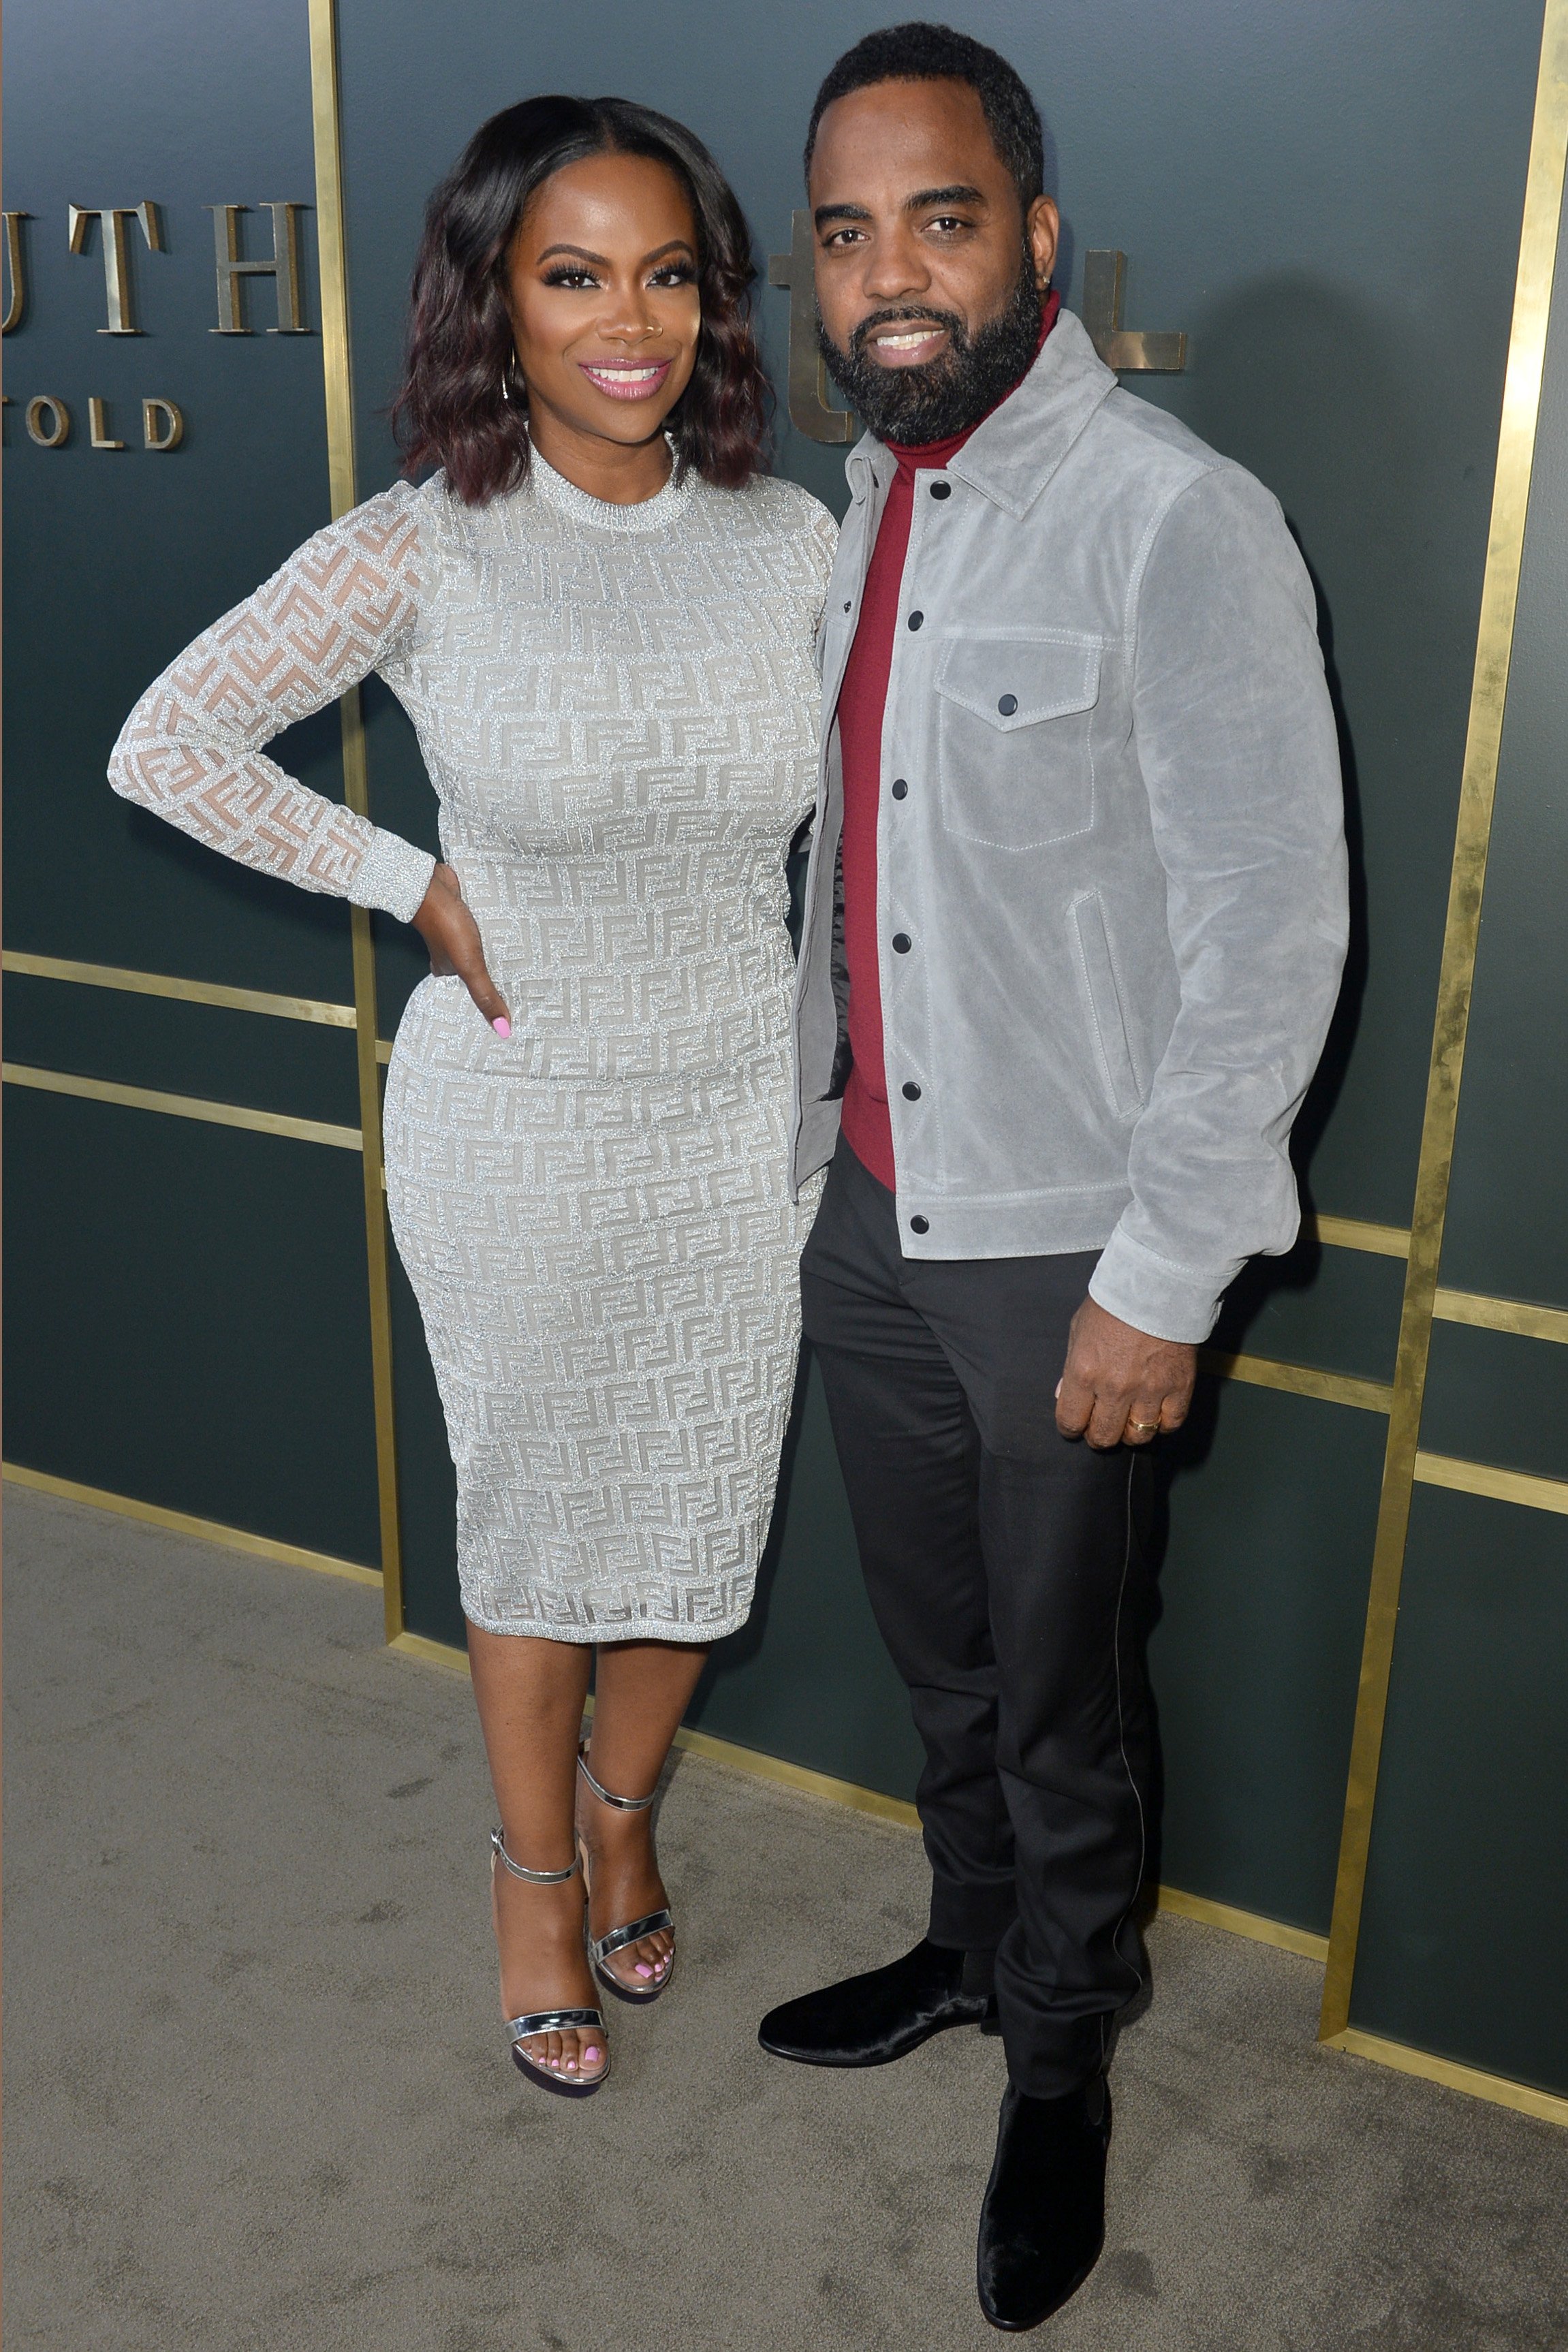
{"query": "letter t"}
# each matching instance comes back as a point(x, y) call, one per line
point(116, 264)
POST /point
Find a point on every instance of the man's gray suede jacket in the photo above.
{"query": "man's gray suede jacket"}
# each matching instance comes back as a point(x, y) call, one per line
point(1111, 864)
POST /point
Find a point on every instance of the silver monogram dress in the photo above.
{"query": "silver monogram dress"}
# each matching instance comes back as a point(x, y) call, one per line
point(618, 708)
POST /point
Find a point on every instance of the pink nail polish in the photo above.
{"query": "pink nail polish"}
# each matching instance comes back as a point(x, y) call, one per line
point(591, 2055)
point(644, 1969)
point(501, 1026)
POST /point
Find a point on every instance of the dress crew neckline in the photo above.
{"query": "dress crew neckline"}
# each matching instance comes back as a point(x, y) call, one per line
point(604, 514)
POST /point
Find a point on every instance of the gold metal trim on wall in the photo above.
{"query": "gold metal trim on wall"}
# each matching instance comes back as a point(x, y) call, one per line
point(183, 1523)
point(1489, 1478)
point(1356, 1233)
point(1515, 1315)
point(185, 992)
point(217, 1114)
point(336, 362)
point(1546, 2107)
point(1494, 647)
point(1298, 1379)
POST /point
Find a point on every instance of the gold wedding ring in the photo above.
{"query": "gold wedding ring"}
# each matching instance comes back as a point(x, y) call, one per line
point(1142, 1424)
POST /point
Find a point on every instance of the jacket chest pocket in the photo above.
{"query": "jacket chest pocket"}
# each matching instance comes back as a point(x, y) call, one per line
point(1014, 753)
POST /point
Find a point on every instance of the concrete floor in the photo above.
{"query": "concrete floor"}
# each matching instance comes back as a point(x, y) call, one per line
point(258, 2095)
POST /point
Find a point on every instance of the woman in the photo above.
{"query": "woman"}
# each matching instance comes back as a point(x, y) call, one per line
point(600, 618)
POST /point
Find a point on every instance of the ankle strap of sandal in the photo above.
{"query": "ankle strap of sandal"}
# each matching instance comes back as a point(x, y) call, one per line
point(534, 1877)
point(621, 1804)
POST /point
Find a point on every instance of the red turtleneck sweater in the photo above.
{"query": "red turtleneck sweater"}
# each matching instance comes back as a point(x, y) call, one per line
point(862, 700)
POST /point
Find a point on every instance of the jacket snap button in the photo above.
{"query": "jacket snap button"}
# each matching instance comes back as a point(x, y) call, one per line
point(941, 490)
point(1008, 704)
point(920, 1226)
point(900, 790)
point(911, 1092)
point(915, 620)
point(902, 943)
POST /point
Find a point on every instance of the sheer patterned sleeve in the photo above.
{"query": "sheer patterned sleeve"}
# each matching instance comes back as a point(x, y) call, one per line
point(191, 749)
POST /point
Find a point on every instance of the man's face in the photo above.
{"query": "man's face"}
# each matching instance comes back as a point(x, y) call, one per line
point(929, 278)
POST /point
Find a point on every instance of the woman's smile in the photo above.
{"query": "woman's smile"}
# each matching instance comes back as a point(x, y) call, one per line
point(627, 379)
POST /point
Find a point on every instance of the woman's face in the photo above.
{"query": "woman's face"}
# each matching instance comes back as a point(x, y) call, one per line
point(602, 289)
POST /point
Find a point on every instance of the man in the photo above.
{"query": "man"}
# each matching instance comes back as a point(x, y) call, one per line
point(1075, 920)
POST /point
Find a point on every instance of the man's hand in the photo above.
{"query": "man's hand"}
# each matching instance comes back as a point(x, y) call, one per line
point(452, 936)
point(1118, 1386)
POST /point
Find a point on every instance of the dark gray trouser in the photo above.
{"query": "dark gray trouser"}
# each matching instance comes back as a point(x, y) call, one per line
point(1008, 1576)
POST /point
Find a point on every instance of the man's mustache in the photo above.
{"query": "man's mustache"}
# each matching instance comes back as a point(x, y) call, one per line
point(906, 316)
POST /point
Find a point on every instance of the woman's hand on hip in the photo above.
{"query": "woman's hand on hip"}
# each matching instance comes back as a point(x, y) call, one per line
point(448, 930)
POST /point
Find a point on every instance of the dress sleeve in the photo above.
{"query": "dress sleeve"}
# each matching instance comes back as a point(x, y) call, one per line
point(191, 749)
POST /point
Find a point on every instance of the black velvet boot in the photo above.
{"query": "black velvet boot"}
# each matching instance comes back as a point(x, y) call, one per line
point(1043, 2222)
point(870, 2020)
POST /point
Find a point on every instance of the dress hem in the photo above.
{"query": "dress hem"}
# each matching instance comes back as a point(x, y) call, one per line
point(605, 1637)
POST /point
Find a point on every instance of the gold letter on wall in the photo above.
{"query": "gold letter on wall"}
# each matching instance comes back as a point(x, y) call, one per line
point(1131, 350)
point(18, 301)
point(283, 267)
point(98, 427)
point(808, 409)
point(163, 425)
point(116, 265)
point(59, 426)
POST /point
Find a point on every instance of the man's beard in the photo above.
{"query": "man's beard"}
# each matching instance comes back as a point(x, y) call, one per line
point(949, 394)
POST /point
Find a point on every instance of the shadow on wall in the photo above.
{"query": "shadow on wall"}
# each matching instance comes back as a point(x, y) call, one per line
point(1304, 388)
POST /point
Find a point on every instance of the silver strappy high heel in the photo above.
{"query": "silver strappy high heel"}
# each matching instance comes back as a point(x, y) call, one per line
point(519, 2030)
point(600, 1946)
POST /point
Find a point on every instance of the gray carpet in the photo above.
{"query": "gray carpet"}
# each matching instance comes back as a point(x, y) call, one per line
point(258, 2095)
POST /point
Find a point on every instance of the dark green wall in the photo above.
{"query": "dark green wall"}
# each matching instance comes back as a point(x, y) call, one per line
point(187, 1319)
point(1467, 1902)
point(1328, 201)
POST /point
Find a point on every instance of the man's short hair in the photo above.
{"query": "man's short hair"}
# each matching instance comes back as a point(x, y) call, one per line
point(936, 53)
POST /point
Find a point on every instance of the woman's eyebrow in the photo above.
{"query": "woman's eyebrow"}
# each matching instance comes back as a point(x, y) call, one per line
point(581, 253)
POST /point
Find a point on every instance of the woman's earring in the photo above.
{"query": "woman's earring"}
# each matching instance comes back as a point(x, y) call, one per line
point(505, 381)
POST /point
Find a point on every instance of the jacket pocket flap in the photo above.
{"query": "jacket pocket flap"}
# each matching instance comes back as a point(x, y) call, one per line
point(1016, 681)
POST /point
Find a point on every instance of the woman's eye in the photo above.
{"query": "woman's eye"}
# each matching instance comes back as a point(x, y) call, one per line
point(677, 273)
point(573, 279)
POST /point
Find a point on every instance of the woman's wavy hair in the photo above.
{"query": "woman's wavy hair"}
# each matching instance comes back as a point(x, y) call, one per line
point(450, 408)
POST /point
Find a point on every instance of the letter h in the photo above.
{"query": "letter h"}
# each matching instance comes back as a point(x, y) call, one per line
point(283, 268)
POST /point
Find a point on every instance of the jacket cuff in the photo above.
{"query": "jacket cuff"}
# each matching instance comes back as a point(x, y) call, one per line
point(1166, 1301)
point(393, 876)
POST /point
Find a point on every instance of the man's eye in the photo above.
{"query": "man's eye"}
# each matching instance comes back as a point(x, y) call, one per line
point(949, 221)
point(841, 236)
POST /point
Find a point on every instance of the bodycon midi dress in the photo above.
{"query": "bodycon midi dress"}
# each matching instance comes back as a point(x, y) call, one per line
point(616, 706)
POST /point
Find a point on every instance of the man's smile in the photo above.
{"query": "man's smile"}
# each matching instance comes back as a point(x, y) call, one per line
point(906, 345)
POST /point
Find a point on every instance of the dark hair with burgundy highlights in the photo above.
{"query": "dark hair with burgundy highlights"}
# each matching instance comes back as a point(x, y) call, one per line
point(450, 410)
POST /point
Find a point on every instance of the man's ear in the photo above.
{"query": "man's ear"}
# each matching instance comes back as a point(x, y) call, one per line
point(1042, 229)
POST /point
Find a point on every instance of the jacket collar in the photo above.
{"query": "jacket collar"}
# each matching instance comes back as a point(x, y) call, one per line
point(1011, 456)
